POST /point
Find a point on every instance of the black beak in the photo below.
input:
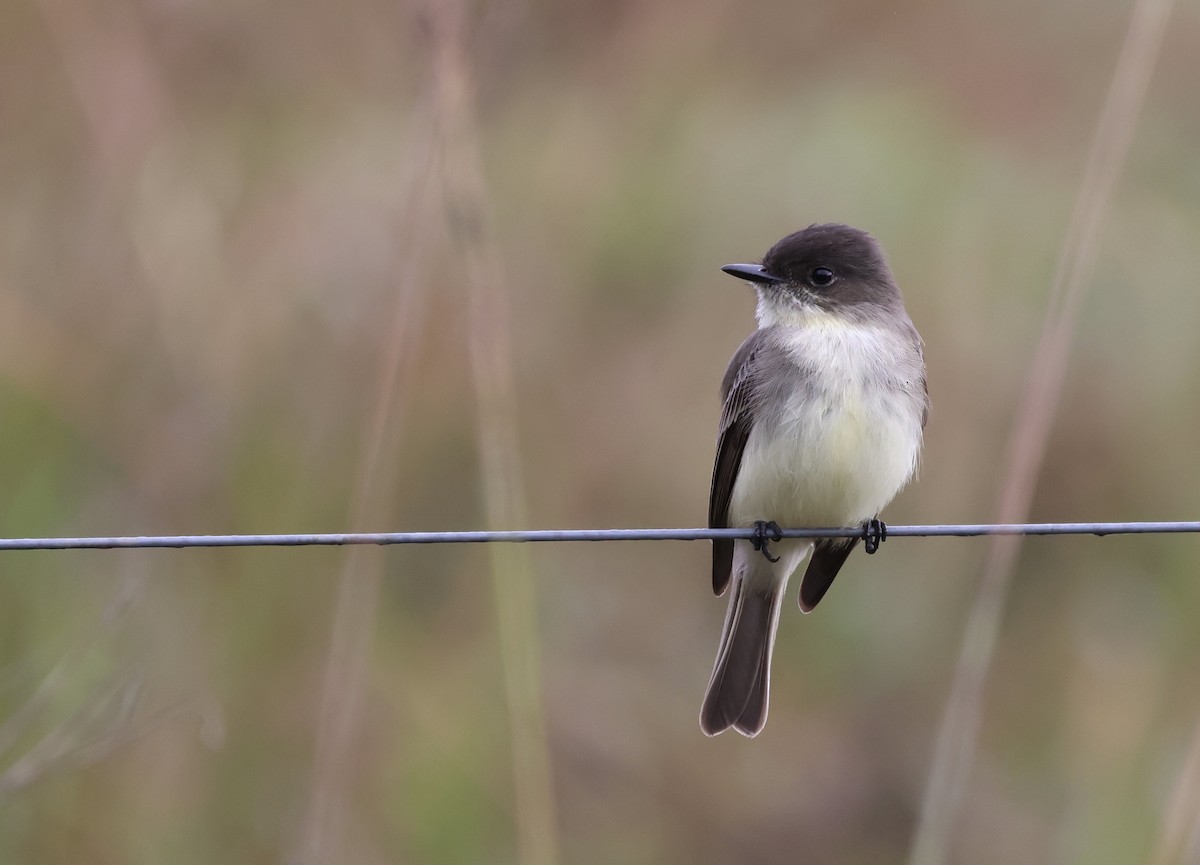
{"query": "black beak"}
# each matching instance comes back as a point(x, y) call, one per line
point(752, 273)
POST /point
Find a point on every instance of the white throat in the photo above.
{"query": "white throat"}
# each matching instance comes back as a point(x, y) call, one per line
point(775, 309)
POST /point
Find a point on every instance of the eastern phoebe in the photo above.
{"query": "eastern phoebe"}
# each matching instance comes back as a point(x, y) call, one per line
point(824, 408)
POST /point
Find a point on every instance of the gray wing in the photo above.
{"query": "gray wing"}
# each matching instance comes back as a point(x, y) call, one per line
point(919, 345)
point(739, 391)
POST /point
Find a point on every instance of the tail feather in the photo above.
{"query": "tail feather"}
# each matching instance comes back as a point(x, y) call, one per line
point(739, 688)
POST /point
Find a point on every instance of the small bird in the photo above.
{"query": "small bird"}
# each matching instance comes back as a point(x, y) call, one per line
point(824, 409)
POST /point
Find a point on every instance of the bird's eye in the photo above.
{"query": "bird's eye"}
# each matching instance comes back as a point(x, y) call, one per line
point(821, 277)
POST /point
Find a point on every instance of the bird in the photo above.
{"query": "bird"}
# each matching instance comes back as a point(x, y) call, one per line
point(823, 412)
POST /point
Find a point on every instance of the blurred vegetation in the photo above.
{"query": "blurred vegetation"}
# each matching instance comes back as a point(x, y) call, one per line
point(205, 212)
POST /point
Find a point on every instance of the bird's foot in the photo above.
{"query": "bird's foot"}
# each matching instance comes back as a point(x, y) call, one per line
point(874, 533)
point(764, 533)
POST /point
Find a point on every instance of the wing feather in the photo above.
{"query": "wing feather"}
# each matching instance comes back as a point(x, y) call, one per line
point(739, 390)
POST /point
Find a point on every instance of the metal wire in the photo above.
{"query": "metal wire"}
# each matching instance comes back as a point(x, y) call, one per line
point(555, 535)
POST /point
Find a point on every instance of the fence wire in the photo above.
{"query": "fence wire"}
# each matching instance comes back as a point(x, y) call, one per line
point(573, 535)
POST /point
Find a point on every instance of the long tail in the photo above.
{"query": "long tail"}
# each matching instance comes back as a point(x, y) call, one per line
point(739, 688)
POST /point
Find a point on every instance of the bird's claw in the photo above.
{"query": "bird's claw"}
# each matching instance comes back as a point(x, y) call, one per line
point(874, 533)
point(764, 533)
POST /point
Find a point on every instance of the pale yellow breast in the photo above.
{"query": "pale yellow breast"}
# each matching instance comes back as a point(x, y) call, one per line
point(839, 451)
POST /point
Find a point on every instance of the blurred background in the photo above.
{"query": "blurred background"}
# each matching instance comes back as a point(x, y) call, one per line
point(281, 267)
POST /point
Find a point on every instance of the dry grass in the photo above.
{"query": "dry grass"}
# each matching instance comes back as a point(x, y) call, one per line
point(958, 734)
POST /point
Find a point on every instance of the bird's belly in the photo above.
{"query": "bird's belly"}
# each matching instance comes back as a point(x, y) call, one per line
point(834, 460)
